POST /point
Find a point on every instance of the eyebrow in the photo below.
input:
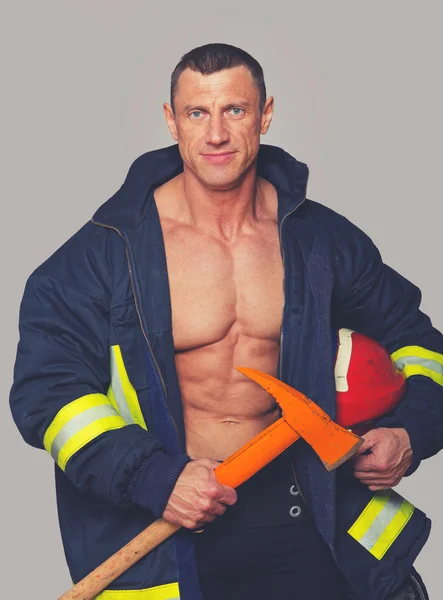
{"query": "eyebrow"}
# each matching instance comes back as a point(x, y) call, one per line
point(240, 103)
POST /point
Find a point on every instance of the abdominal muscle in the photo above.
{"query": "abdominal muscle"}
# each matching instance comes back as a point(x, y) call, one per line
point(223, 409)
point(227, 304)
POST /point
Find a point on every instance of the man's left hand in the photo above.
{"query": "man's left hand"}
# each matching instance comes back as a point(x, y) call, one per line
point(383, 458)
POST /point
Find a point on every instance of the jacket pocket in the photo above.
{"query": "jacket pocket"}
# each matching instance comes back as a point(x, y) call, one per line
point(127, 365)
point(121, 392)
point(126, 332)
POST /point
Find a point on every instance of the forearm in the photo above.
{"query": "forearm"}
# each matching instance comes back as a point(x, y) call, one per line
point(152, 484)
point(421, 414)
point(62, 400)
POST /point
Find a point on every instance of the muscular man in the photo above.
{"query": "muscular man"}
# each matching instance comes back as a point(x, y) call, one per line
point(208, 257)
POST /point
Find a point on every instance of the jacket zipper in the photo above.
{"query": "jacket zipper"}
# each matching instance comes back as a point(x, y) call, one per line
point(281, 332)
point(281, 362)
point(131, 278)
point(419, 588)
point(284, 279)
point(281, 357)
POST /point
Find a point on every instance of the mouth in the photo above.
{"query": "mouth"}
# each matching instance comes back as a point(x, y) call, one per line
point(218, 157)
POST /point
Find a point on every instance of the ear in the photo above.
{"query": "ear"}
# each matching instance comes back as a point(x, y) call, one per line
point(170, 120)
point(266, 116)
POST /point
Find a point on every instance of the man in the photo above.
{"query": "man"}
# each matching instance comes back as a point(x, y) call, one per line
point(208, 257)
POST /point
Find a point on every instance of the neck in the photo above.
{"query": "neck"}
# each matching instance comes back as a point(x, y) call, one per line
point(223, 213)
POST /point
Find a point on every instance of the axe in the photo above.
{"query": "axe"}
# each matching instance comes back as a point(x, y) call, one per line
point(300, 418)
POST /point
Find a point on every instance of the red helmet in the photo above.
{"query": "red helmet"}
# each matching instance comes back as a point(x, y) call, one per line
point(367, 381)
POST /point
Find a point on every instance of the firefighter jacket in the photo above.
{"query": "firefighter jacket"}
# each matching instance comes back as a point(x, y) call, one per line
point(95, 382)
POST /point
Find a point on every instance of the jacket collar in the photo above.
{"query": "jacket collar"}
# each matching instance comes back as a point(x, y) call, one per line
point(132, 203)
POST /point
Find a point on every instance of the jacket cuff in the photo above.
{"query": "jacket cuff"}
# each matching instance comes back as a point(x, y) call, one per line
point(154, 481)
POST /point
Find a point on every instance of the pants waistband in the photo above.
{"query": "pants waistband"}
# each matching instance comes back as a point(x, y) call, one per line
point(269, 498)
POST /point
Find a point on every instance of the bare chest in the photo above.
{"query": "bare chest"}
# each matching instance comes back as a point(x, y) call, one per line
point(220, 290)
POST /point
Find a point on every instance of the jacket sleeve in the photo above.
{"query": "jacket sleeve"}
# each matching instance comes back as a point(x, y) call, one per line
point(378, 302)
point(59, 400)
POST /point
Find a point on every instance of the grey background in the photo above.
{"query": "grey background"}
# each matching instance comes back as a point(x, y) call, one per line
point(358, 95)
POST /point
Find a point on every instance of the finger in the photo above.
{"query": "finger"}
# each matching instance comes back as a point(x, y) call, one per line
point(228, 495)
point(377, 480)
point(382, 476)
point(385, 482)
point(365, 463)
point(379, 488)
point(370, 440)
point(197, 519)
point(378, 462)
point(375, 474)
point(377, 466)
point(218, 509)
point(206, 518)
point(365, 447)
point(193, 524)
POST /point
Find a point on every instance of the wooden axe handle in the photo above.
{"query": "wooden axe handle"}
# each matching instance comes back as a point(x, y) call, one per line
point(236, 469)
point(118, 563)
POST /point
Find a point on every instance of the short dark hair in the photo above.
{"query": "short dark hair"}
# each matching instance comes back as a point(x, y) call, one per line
point(211, 58)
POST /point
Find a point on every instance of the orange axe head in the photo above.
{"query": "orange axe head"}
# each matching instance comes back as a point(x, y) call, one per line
point(332, 443)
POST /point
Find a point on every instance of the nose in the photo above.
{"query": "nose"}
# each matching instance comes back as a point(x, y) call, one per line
point(217, 132)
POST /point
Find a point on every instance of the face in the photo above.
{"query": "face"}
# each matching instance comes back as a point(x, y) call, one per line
point(217, 123)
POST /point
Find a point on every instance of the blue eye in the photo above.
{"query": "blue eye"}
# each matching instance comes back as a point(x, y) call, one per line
point(195, 114)
point(236, 110)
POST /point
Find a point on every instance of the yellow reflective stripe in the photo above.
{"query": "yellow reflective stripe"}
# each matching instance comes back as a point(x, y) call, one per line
point(68, 412)
point(415, 360)
point(169, 591)
point(381, 522)
point(123, 390)
point(417, 351)
point(78, 423)
point(410, 370)
point(112, 399)
point(393, 530)
point(87, 434)
point(368, 516)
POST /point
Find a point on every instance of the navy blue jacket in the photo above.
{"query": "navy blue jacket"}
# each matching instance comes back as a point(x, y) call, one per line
point(95, 381)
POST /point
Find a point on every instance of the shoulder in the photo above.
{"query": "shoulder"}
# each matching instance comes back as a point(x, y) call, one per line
point(331, 228)
point(343, 248)
point(325, 219)
point(84, 263)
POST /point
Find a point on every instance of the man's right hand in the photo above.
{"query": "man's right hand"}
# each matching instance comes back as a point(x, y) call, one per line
point(198, 497)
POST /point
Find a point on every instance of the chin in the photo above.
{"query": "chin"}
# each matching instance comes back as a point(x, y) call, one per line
point(220, 178)
point(221, 182)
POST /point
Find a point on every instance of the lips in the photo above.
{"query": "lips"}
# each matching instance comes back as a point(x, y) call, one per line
point(218, 157)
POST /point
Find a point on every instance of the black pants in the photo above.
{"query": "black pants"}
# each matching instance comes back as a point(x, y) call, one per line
point(263, 563)
point(267, 546)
